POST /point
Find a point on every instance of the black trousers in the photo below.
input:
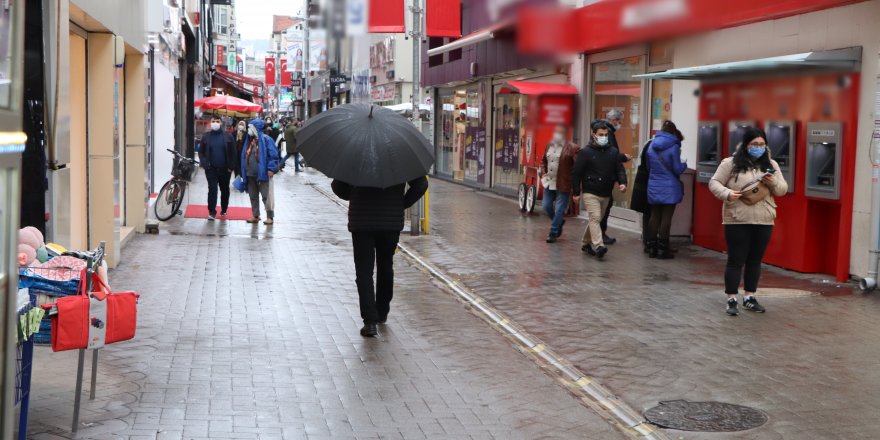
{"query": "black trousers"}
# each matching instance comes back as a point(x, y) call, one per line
point(746, 245)
point(604, 223)
point(646, 223)
point(374, 248)
point(218, 177)
point(660, 222)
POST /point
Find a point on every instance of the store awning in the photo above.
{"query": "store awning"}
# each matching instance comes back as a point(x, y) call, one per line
point(536, 88)
point(848, 59)
point(238, 82)
point(472, 38)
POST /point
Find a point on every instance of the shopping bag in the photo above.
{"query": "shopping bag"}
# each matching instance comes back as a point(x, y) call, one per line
point(94, 319)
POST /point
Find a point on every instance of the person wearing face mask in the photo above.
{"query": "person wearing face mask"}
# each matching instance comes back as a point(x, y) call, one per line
point(240, 133)
point(259, 163)
point(556, 168)
point(217, 157)
point(595, 172)
point(614, 121)
point(747, 182)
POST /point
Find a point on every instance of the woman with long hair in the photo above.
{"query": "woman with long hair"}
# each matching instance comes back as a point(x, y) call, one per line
point(665, 189)
point(747, 183)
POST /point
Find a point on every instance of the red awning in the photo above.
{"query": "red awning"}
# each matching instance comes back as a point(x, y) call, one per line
point(536, 88)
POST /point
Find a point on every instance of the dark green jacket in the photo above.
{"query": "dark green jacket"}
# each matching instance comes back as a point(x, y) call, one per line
point(290, 138)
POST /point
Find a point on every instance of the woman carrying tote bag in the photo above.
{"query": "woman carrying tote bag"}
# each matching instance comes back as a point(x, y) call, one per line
point(747, 183)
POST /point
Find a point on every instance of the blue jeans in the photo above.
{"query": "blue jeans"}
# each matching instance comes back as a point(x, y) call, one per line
point(296, 160)
point(555, 204)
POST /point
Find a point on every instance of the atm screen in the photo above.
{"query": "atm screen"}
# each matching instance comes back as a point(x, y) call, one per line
point(779, 140)
point(707, 143)
point(736, 136)
point(822, 158)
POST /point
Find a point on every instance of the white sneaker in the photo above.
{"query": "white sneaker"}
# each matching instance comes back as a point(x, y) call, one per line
point(211, 218)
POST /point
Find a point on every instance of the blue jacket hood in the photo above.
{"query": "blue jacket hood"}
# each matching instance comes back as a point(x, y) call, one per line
point(258, 124)
point(664, 141)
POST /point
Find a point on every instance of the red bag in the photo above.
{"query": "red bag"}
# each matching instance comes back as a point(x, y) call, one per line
point(75, 317)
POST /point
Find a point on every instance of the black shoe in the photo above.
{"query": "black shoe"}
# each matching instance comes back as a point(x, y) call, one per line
point(752, 305)
point(369, 330)
point(551, 238)
point(731, 307)
point(383, 319)
point(601, 251)
point(608, 240)
point(663, 250)
point(560, 229)
point(588, 249)
point(652, 248)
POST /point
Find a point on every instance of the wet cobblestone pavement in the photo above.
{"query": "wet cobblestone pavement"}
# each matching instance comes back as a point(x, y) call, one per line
point(654, 330)
point(251, 332)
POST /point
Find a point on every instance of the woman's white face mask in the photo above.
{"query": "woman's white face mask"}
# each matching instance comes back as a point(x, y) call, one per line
point(252, 130)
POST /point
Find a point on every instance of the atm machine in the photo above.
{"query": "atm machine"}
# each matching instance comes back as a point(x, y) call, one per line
point(708, 150)
point(781, 141)
point(736, 130)
point(824, 149)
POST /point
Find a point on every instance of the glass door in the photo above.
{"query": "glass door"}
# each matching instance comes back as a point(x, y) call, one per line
point(615, 89)
point(510, 117)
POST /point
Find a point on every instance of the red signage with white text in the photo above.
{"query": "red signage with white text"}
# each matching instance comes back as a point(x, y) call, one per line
point(555, 110)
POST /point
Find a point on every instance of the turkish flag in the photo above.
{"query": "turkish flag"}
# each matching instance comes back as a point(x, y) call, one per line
point(285, 75)
point(443, 18)
point(386, 16)
point(270, 71)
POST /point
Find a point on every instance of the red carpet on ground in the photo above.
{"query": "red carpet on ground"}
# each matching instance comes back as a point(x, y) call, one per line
point(233, 213)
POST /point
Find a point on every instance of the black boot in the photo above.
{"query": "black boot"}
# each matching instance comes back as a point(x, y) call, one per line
point(664, 252)
point(652, 248)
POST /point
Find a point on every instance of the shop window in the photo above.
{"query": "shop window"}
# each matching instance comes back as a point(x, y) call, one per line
point(435, 42)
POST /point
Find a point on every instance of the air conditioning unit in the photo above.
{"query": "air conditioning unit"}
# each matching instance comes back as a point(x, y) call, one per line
point(389, 74)
point(373, 79)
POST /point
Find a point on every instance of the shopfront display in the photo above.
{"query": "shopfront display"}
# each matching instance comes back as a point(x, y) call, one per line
point(510, 118)
point(614, 88)
point(461, 141)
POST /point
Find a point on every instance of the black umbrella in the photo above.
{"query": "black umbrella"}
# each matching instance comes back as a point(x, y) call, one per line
point(365, 145)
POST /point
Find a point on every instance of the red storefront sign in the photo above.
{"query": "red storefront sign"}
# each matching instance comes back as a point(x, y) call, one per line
point(386, 16)
point(614, 23)
point(221, 51)
point(270, 71)
point(555, 110)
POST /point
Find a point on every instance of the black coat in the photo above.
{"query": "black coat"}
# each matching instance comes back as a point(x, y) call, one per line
point(639, 200)
point(596, 170)
point(376, 209)
point(205, 156)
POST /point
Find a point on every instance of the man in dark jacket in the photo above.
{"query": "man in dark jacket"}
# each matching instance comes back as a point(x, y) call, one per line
point(217, 156)
point(595, 172)
point(614, 120)
point(375, 219)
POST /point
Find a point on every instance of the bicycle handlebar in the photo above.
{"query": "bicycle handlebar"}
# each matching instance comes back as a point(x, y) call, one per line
point(181, 156)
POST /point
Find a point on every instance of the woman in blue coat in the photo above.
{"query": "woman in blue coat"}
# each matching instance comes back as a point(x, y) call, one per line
point(259, 163)
point(665, 189)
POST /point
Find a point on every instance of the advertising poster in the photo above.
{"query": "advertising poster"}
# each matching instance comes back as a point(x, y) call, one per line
point(296, 50)
point(317, 50)
point(507, 148)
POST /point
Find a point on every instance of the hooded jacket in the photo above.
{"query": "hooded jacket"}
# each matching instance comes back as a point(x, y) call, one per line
point(596, 169)
point(268, 154)
point(377, 209)
point(664, 169)
point(735, 212)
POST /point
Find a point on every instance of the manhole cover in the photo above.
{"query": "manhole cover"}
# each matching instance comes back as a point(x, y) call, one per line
point(705, 416)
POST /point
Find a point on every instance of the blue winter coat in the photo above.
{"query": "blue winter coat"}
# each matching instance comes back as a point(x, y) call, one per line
point(664, 184)
point(268, 154)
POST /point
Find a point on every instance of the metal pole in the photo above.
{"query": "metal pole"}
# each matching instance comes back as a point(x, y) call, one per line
point(77, 398)
point(415, 211)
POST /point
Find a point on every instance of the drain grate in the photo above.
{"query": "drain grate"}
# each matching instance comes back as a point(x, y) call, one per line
point(705, 416)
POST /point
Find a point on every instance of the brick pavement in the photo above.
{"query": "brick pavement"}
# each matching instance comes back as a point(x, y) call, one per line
point(656, 330)
point(252, 332)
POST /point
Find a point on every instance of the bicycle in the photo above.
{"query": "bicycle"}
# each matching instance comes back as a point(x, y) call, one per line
point(171, 195)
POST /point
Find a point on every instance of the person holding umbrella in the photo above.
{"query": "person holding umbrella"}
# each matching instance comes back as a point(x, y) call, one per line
point(259, 163)
point(372, 153)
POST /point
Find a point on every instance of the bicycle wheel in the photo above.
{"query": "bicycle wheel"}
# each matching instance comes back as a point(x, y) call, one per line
point(168, 201)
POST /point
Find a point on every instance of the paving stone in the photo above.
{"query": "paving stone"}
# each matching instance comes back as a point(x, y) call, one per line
point(252, 332)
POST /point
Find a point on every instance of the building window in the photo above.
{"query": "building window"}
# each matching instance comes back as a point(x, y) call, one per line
point(222, 20)
point(436, 60)
point(455, 55)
